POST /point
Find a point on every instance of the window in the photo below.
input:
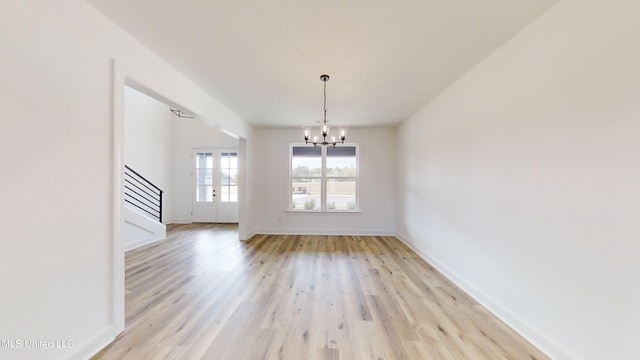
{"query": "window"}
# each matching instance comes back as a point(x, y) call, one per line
point(324, 178)
point(341, 178)
point(204, 177)
point(229, 177)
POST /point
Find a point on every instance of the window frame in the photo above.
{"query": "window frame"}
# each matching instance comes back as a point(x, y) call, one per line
point(324, 180)
point(203, 168)
point(228, 154)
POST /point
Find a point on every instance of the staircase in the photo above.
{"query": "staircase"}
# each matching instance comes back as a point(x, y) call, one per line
point(142, 211)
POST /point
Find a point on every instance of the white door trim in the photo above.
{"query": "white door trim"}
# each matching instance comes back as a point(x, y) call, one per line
point(118, 314)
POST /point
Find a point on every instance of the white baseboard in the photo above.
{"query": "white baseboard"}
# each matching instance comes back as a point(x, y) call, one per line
point(180, 221)
point(139, 244)
point(323, 232)
point(249, 236)
point(92, 345)
point(530, 333)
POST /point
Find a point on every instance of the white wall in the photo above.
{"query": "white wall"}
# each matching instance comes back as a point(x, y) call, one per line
point(189, 134)
point(521, 181)
point(57, 156)
point(270, 198)
point(148, 141)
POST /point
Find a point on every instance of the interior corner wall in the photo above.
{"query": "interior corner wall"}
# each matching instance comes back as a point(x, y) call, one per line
point(521, 181)
point(148, 144)
point(246, 188)
point(57, 130)
point(270, 197)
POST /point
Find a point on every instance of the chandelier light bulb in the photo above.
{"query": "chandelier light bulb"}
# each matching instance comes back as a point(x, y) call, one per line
point(307, 134)
point(343, 134)
point(325, 130)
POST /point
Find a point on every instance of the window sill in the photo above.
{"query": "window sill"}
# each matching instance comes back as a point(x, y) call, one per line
point(323, 212)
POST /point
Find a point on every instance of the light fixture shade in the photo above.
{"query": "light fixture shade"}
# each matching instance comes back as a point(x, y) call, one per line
point(342, 133)
point(325, 129)
point(307, 133)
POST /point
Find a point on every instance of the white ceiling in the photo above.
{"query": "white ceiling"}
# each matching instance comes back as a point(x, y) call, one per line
point(263, 58)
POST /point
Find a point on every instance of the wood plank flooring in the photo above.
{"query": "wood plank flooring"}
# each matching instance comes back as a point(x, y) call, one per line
point(201, 293)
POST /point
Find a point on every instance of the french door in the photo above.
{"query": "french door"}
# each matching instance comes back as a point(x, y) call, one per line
point(215, 185)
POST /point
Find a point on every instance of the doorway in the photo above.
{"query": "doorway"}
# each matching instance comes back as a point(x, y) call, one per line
point(215, 186)
point(123, 77)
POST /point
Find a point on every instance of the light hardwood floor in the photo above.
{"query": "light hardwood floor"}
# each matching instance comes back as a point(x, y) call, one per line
point(201, 293)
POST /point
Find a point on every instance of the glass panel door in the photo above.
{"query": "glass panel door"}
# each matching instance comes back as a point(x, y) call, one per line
point(204, 177)
point(204, 202)
point(215, 186)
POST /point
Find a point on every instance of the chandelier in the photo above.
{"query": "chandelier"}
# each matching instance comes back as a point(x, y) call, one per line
point(328, 138)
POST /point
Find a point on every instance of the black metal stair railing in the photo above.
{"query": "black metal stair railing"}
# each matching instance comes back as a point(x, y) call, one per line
point(142, 193)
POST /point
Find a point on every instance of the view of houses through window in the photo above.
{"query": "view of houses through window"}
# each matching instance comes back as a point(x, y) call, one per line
point(324, 178)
